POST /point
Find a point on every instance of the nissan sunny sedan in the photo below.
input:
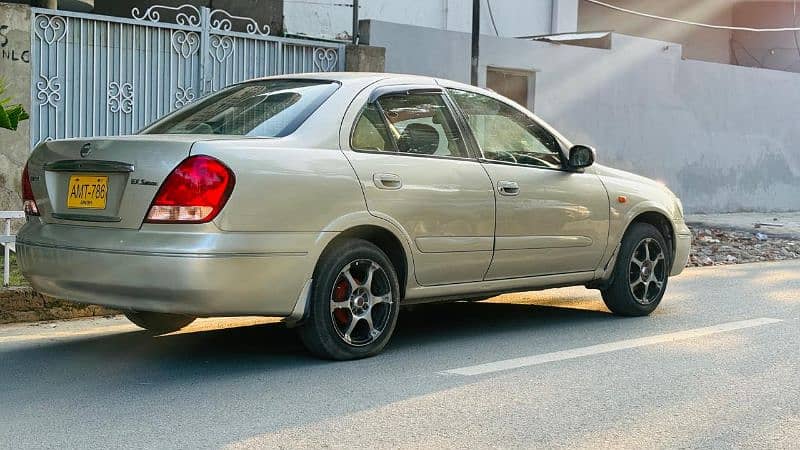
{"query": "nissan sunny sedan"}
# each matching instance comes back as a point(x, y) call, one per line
point(333, 199)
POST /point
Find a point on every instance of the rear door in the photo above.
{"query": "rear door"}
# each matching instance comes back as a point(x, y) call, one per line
point(415, 170)
point(549, 220)
point(103, 182)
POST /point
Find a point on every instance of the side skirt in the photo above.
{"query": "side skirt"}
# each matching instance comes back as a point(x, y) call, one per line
point(428, 294)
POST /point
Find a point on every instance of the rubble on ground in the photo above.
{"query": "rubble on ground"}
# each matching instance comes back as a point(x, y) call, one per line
point(714, 246)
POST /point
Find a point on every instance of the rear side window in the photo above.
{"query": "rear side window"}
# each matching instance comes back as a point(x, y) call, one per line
point(412, 123)
point(370, 132)
point(265, 108)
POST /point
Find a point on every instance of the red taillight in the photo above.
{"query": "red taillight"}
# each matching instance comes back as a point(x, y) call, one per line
point(195, 192)
point(28, 201)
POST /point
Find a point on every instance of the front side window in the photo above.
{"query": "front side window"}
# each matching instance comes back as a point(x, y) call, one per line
point(264, 108)
point(414, 123)
point(506, 134)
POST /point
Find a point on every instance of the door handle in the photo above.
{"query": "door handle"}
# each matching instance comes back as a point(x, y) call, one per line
point(387, 181)
point(509, 188)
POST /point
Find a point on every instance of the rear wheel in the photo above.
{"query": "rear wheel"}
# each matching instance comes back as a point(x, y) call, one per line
point(641, 272)
point(159, 323)
point(354, 302)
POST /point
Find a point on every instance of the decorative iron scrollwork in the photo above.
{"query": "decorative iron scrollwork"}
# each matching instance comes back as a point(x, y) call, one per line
point(48, 91)
point(192, 16)
point(187, 15)
point(225, 23)
point(325, 59)
point(220, 47)
point(120, 97)
point(183, 96)
point(50, 29)
point(185, 43)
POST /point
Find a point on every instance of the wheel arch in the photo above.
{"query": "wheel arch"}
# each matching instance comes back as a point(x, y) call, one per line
point(385, 240)
point(630, 296)
point(659, 220)
point(649, 214)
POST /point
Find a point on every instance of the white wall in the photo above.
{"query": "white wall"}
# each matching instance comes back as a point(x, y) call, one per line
point(333, 18)
point(723, 137)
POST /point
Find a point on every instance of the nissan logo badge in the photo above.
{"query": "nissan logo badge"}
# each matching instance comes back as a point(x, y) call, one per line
point(86, 149)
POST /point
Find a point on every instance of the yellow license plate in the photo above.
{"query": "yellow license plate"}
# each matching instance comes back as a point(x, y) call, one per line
point(87, 192)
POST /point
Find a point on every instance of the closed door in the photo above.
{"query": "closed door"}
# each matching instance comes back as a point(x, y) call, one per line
point(549, 220)
point(416, 172)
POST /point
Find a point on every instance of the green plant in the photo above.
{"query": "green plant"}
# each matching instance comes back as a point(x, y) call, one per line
point(10, 115)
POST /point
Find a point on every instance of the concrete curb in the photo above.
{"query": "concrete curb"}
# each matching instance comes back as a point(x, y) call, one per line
point(23, 304)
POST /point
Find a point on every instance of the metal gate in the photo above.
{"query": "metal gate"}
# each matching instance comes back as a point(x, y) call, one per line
point(102, 76)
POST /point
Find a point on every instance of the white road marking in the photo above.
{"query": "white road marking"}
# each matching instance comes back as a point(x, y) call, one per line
point(527, 361)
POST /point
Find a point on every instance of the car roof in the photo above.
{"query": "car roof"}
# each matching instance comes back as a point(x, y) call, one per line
point(351, 76)
point(367, 78)
point(359, 77)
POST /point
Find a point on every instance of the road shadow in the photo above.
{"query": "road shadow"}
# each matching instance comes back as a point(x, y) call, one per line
point(442, 322)
point(264, 368)
point(274, 345)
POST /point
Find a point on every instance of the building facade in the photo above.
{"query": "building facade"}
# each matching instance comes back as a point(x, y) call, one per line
point(508, 18)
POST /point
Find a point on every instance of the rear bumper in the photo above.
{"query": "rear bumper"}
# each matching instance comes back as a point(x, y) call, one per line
point(196, 273)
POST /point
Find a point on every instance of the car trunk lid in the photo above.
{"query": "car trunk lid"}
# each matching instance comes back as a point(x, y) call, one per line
point(104, 182)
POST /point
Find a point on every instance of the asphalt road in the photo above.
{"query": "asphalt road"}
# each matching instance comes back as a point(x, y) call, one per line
point(715, 366)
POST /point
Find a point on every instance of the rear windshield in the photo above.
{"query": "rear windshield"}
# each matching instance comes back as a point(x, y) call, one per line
point(266, 108)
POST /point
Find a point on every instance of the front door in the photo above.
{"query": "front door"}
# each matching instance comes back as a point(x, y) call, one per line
point(549, 220)
point(416, 172)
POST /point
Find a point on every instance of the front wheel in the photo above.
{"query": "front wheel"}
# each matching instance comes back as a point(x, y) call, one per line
point(641, 272)
point(159, 323)
point(354, 302)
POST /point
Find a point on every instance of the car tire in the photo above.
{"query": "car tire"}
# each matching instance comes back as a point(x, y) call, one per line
point(641, 272)
point(159, 323)
point(354, 303)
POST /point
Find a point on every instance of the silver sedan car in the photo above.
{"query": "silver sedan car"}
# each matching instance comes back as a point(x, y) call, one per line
point(333, 199)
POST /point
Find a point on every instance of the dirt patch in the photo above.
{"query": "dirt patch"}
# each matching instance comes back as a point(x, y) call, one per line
point(23, 304)
point(718, 246)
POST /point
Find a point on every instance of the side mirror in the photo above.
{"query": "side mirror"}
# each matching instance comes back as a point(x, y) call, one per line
point(581, 156)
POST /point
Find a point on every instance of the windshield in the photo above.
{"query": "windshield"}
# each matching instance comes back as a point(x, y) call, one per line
point(266, 108)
